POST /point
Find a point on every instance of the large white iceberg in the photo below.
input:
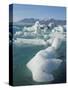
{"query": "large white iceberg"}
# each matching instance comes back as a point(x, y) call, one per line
point(45, 61)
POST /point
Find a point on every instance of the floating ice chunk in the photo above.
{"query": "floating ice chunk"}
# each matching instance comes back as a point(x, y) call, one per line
point(51, 25)
point(45, 62)
point(18, 33)
point(42, 68)
point(34, 28)
point(22, 41)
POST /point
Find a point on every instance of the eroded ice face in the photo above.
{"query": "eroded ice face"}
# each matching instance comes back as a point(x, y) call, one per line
point(45, 62)
point(42, 68)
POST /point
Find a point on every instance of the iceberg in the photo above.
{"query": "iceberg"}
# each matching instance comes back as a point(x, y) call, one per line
point(46, 61)
point(19, 33)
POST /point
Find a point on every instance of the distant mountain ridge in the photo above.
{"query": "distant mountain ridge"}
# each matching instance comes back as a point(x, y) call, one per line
point(31, 21)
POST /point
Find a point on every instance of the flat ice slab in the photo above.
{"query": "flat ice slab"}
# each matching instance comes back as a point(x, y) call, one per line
point(21, 41)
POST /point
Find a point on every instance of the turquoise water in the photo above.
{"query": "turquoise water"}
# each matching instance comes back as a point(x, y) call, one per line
point(23, 76)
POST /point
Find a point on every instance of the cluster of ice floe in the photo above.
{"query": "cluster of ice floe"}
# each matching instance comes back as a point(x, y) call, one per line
point(32, 31)
point(36, 34)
